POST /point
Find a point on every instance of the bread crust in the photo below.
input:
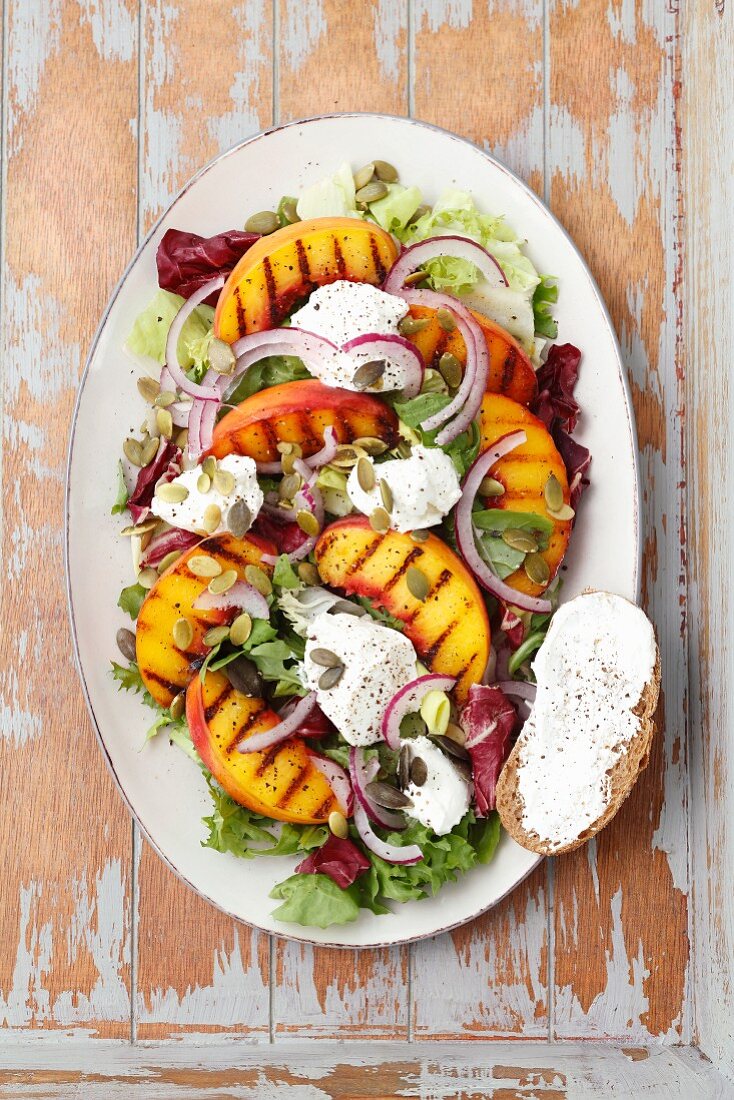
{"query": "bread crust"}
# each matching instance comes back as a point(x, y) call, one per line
point(624, 775)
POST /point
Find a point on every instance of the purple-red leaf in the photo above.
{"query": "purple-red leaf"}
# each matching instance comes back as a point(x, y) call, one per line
point(340, 859)
point(488, 720)
point(577, 460)
point(555, 404)
point(163, 544)
point(167, 465)
point(186, 261)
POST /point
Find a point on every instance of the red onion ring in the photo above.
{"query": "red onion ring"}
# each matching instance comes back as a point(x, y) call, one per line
point(327, 452)
point(284, 729)
point(363, 771)
point(313, 350)
point(391, 853)
point(338, 780)
point(465, 528)
point(462, 248)
point(202, 418)
point(520, 688)
point(175, 370)
point(408, 700)
point(398, 351)
point(241, 596)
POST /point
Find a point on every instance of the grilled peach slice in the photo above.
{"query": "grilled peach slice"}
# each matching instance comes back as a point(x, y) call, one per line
point(281, 782)
point(284, 267)
point(510, 370)
point(449, 629)
point(164, 668)
point(524, 473)
point(299, 412)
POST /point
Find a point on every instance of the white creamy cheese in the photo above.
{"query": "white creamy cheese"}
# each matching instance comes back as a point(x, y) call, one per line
point(424, 488)
point(342, 310)
point(377, 662)
point(189, 513)
point(591, 669)
point(441, 802)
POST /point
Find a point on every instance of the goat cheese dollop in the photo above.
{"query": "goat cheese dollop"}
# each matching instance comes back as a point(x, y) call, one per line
point(342, 310)
point(377, 662)
point(188, 514)
point(424, 488)
point(441, 802)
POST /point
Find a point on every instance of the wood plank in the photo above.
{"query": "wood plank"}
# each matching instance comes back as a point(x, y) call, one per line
point(490, 977)
point(69, 157)
point(620, 956)
point(206, 83)
point(330, 60)
point(708, 123)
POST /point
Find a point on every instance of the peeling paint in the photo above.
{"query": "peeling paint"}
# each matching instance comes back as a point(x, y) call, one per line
point(34, 34)
point(390, 24)
point(301, 35)
point(114, 28)
point(437, 14)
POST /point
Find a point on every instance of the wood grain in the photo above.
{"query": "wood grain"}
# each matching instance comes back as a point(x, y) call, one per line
point(65, 906)
point(620, 924)
point(206, 83)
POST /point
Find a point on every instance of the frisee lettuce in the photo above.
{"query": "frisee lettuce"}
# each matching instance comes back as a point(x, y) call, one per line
point(244, 833)
point(129, 679)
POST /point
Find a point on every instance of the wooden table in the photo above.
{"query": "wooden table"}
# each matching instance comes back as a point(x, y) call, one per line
point(109, 106)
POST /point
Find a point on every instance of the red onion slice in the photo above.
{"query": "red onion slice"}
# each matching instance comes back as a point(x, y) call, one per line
point(327, 452)
point(465, 528)
point(462, 248)
point(315, 352)
point(202, 418)
point(520, 688)
point(175, 370)
point(309, 498)
point(397, 350)
point(241, 596)
point(338, 780)
point(391, 853)
point(284, 729)
point(363, 771)
point(408, 700)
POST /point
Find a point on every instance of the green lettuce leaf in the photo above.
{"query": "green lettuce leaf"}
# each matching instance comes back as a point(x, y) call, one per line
point(244, 833)
point(397, 208)
point(122, 496)
point(268, 372)
point(131, 599)
point(284, 575)
point(315, 901)
point(148, 335)
point(544, 298)
point(462, 451)
point(489, 525)
point(129, 679)
point(332, 197)
point(271, 659)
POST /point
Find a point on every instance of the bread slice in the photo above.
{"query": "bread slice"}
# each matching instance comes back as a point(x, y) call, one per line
point(632, 754)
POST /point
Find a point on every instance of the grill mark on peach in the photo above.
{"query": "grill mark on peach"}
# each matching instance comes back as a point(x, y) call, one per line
point(508, 368)
point(294, 785)
point(271, 438)
point(348, 432)
point(431, 653)
point(364, 556)
point(440, 348)
point(211, 709)
point(414, 554)
point(303, 264)
point(168, 685)
point(272, 291)
point(215, 549)
point(242, 733)
point(379, 266)
point(341, 266)
point(325, 805)
point(240, 310)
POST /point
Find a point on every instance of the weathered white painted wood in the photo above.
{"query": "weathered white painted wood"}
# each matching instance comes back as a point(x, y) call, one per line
point(708, 125)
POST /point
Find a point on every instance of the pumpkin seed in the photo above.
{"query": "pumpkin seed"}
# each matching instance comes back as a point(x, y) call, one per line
point(324, 657)
point(372, 191)
point(212, 518)
point(240, 629)
point(145, 539)
point(164, 399)
point(414, 277)
point(255, 576)
point(148, 388)
point(126, 644)
point(418, 771)
point(455, 733)
point(289, 211)
point(345, 607)
point(371, 444)
point(223, 582)
point(288, 463)
point(490, 487)
point(150, 450)
point(144, 528)
point(264, 222)
point(133, 451)
point(404, 449)
point(202, 565)
point(178, 706)
point(216, 636)
point(385, 171)
point(147, 577)
point(164, 420)
point(182, 438)
point(209, 466)
point(307, 522)
point(368, 374)
point(287, 448)
point(346, 456)
point(410, 325)
point(172, 493)
point(537, 568)
point(420, 213)
point(167, 562)
point(419, 536)
point(244, 677)
point(289, 486)
point(564, 513)
point(553, 493)
point(363, 176)
point(308, 573)
point(338, 824)
point(239, 518)
point(445, 319)
point(386, 495)
point(379, 521)
point(203, 483)
point(450, 368)
point(520, 540)
point(365, 474)
point(404, 766)
point(223, 481)
point(417, 583)
point(387, 796)
point(331, 677)
point(183, 634)
point(220, 356)
point(452, 748)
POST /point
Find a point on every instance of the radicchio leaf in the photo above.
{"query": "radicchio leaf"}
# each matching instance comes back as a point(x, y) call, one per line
point(286, 536)
point(164, 543)
point(577, 460)
point(488, 720)
point(555, 403)
point(165, 466)
point(187, 261)
point(340, 859)
point(513, 627)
